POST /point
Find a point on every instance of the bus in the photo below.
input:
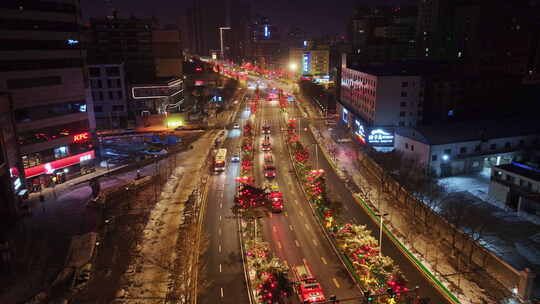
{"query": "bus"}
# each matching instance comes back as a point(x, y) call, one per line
point(220, 160)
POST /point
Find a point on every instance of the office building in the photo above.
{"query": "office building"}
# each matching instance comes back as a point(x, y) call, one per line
point(265, 45)
point(377, 99)
point(108, 85)
point(42, 67)
point(311, 60)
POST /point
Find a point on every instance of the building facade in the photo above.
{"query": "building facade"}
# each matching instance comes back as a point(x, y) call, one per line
point(11, 186)
point(109, 90)
point(43, 68)
point(517, 185)
point(312, 61)
point(467, 147)
point(374, 100)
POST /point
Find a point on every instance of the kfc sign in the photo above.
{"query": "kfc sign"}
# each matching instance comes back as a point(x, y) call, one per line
point(81, 137)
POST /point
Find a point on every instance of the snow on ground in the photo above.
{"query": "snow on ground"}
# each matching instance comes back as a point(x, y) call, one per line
point(155, 252)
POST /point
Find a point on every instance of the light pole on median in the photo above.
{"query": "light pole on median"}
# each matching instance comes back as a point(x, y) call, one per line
point(221, 37)
point(381, 216)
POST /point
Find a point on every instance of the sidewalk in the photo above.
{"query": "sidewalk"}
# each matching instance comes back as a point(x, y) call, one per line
point(40, 240)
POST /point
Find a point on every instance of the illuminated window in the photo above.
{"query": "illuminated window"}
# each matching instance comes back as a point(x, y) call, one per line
point(61, 152)
point(31, 160)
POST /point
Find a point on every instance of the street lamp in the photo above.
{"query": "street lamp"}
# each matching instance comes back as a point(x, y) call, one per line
point(381, 216)
point(221, 37)
point(293, 66)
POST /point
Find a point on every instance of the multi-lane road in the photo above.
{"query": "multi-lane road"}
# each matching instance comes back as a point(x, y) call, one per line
point(294, 235)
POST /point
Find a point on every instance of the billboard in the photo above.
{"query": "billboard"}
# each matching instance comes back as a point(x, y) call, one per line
point(379, 136)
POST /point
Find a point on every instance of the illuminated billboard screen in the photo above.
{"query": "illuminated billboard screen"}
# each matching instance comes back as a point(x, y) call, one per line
point(306, 63)
point(381, 136)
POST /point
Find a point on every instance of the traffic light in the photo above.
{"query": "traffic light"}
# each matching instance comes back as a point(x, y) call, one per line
point(391, 292)
point(368, 296)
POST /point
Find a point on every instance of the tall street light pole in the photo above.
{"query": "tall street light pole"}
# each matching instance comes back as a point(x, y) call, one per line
point(221, 38)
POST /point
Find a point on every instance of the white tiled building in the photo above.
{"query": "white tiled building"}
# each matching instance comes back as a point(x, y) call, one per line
point(465, 147)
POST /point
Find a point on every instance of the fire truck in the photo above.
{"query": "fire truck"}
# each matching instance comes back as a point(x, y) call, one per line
point(307, 287)
point(220, 160)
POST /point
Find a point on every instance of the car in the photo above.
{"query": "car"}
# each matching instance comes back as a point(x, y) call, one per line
point(236, 126)
point(266, 145)
point(269, 171)
point(235, 157)
point(268, 158)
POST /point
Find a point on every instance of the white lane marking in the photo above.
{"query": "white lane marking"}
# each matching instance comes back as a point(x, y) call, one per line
point(297, 243)
point(304, 261)
point(336, 282)
point(286, 214)
point(301, 213)
point(279, 245)
point(219, 231)
point(220, 205)
point(296, 202)
point(219, 267)
point(274, 228)
point(324, 261)
point(219, 248)
point(221, 290)
point(220, 217)
point(315, 242)
point(307, 226)
point(291, 228)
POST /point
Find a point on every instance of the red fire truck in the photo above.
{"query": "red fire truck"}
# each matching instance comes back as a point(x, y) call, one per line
point(307, 287)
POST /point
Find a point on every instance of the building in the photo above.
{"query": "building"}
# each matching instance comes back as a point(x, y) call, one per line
point(517, 185)
point(11, 185)
point(204, 18)
point(434, 29)
point(109, 92)
point(148, 55)
point(42, 67)
point(113, 40)
point(265, 48)
point(378, 98)
point(311, 60)
point(467, 147)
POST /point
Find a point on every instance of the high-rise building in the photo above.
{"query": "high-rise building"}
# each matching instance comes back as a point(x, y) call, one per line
point(42, 66)
point(204, 19)
point(109, 89)
point(265, 44)
point(311, 60)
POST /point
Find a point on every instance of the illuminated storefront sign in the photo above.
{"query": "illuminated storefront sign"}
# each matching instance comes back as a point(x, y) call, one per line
point(360, 132)
point(81, 137)
point(345, 115)
point(381, 137)
point(49, 168)
point(72, 42)
point(305, 63)
point(17, 183)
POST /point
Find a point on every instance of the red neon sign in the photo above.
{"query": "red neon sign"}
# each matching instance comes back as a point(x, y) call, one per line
point(81, 137)
point(50, 167)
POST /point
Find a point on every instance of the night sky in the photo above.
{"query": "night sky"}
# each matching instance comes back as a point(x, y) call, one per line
point(316, 17)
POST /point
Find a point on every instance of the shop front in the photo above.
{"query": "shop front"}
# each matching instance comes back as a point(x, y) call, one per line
point(59, 171)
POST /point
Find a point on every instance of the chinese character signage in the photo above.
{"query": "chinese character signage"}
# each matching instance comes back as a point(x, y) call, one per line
point(381, 137)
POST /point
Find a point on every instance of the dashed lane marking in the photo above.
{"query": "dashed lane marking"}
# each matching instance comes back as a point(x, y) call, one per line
point(220, 205)
point(291, 228)
point(296, 202)
point(219, 267)
point(304, 261)
point(301, 213)
point(336, 282)
point(221, 291)
point(220, 217)
point(219, 248)
point(219, 231)
point(297, 243)
point(274, 228)
point(315, 242)
point(307, 226)
point(286, 214)
point(324, 261)
point(279, 245)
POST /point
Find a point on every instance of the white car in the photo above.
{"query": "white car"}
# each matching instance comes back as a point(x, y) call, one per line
point(236, 126)
point(235, 157)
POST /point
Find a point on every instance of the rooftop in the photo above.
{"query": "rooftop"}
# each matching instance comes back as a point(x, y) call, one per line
point(470, 131)
point(523, 170)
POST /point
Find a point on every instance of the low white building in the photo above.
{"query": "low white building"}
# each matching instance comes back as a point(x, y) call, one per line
point(518, 186)
point(466, 147)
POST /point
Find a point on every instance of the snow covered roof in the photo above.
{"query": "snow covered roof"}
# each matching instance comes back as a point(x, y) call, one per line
point(470, 131)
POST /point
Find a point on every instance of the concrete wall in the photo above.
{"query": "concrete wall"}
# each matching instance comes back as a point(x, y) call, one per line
point(413, 149)
point(498, 191)
point(389, 101)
